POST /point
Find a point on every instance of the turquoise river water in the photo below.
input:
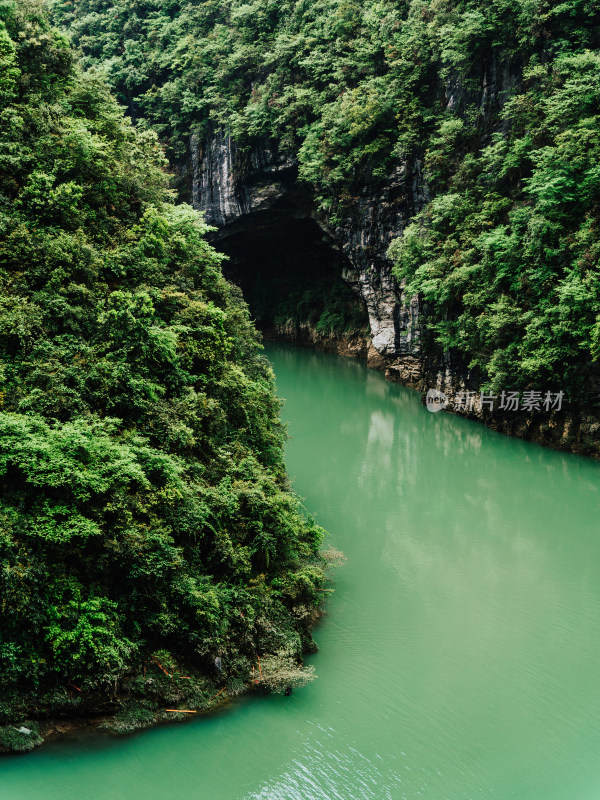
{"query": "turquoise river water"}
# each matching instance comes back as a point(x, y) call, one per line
point(460, 656)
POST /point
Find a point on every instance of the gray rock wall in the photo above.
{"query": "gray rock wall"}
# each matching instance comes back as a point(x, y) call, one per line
point(236, 190)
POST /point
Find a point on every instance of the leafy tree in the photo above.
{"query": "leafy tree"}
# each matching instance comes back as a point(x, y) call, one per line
point(506, 255)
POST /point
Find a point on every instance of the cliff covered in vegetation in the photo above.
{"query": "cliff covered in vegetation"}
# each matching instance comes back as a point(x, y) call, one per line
point(466, 129)
point(150, 549)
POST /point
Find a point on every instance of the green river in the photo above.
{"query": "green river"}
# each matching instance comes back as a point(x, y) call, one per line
point(460, 654)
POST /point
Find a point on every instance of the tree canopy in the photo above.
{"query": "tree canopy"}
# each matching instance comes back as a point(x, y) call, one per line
point(498, 100)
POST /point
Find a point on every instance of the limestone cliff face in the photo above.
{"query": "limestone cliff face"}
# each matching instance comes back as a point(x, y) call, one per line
point(236, 190)
point(228, 186)
point(377, 216)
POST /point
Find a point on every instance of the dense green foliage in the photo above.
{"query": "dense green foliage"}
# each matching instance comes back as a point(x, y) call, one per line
point(146, 525)
point(505, 253)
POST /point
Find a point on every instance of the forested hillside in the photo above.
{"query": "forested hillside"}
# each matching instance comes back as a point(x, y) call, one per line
point(150, 551)
point(499, 100)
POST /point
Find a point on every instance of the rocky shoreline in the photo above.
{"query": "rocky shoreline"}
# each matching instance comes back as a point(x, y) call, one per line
point(31, 734)
point(172, 698)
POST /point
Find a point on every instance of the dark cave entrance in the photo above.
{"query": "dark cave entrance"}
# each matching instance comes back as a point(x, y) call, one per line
point(291, 278)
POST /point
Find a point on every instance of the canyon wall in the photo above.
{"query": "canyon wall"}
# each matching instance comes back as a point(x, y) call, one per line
point(240, 190)
point(236, 191)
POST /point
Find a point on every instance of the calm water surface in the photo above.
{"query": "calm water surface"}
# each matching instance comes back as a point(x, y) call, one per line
point(460, 656)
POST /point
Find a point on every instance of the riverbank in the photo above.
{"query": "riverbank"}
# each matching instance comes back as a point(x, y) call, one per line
point(350, 344)
point(126, 714)
point(30, 734)
point(571, 430)
point(162, 694)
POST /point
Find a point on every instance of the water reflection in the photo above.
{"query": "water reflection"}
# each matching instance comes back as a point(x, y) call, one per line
point(459, 657)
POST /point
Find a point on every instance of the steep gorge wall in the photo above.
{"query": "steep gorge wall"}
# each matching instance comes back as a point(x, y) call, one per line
point(238, 190)
point(355, 85)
